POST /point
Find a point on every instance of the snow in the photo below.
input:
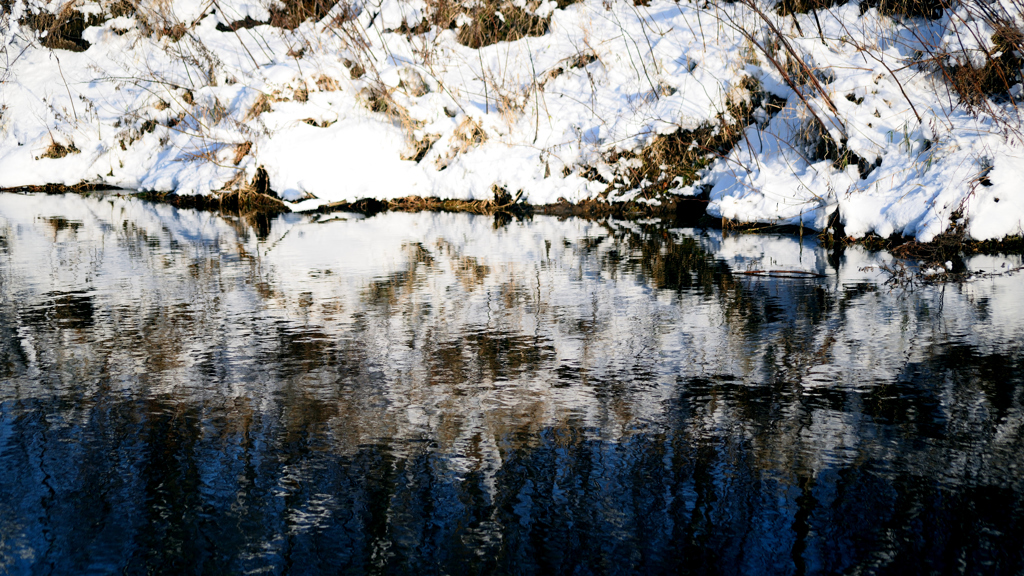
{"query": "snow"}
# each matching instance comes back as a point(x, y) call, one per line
point(145, 111)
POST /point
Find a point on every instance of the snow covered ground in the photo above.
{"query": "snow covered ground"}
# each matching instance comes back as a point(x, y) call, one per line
point(369, 102)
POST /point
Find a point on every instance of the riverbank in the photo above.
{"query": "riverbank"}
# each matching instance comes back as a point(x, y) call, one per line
point(895, 120)
point(940, 259)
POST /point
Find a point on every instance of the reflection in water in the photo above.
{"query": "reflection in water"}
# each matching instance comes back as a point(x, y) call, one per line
point(431, 393)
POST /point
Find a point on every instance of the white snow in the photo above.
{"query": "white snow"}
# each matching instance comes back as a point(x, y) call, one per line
point(143, 110)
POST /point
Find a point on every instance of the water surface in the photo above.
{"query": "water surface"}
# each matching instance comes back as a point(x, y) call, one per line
point(184, 392)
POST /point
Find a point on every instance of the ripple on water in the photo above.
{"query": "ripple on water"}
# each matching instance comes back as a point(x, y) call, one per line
point(434, 393)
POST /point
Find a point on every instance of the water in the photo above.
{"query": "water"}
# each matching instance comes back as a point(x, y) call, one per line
point(434, 393)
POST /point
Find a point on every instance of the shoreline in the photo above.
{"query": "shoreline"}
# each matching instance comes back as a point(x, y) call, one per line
point(688, 211)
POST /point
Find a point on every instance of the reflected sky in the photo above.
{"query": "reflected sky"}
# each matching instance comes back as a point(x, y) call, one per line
point(186, 392)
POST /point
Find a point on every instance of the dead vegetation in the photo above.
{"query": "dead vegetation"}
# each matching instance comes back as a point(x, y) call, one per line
point(676, 159)
point(53, 188)
point(63, 30)
point(820, 146)
point(931, 9)
point(950, 246)
point(326, 84)
point(380, 98)
point(289, 14)
point(1000, 72)
point(58, 150)
point(238, 198)
point(668, 161)
point(248, 200)
point(486, 22)
point(419, 148)
point(789, 7)
point(261, 105)
point(940, 260)
point(241, 151)
point(580, 60)
point(909, 8)
point(944, 253)
point(467, 134)
point(492, 22)
point(687, 210)
point(503, 202)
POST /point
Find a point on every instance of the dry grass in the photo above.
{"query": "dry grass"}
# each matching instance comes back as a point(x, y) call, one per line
point(326, 84)
point(63, 30)
point(58, 150)
point(377, 98)
point(418, 204)
point(355, 70)
point(419, 148)
point(241, 151)
point(291, 13)
point(503, 202)
point(668, 161)
point(487, 22)
point(910, 8)
point(788, 7)
point(261, 105)
point(1000, 72)
point(256, 196)
point(247, 200)
point(288, 14)
point(672, 160)
point(467, 134)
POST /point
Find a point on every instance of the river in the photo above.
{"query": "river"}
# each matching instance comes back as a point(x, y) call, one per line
point(435, 393)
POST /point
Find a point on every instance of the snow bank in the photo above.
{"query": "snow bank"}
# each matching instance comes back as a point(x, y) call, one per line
point(192, 97)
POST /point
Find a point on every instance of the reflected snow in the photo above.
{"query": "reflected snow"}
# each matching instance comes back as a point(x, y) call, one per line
point(425, 392)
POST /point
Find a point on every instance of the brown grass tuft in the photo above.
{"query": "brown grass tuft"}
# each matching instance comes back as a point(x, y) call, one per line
point(292, 13)
point(326, 84)
point(241, 150)
point(257, 196)
point(261, 105)
point(490, 21)
point(788, 7)
point(466, 135)
point(58, 150)
point(355, 69)
point(419, 148)
point(672, 160)
point(63, 30)
point(377, 98)
point(911, 8)
point(1000, 72)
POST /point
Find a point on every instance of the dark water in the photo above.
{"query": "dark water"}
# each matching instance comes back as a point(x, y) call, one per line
point(430, 393)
